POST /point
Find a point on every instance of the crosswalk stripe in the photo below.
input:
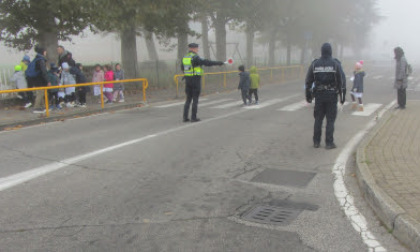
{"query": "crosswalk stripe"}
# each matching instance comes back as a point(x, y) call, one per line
point(228, 105)
point(368, 109)
point(214, 102)
point(377, 77)
point(294, 106)
point(176, 104)
point(270, 102)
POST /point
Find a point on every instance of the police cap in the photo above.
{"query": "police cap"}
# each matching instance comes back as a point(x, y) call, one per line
point(193, 45)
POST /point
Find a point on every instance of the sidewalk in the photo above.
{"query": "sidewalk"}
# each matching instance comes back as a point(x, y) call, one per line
point(388, 163)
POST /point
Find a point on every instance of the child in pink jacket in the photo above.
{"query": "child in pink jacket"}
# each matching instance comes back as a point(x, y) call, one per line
point(109, 87)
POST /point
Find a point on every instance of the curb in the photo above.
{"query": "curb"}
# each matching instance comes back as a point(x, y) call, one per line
point(401, 225)
point(45, 120)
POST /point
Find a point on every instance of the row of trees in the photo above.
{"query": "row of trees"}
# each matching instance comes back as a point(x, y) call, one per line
point(304, 24)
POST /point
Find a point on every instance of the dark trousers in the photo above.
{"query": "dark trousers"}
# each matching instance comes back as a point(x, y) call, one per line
point(70, 98)
point(81, 95)
point(245, 95)
point(192, 92)
point(25, 96)
point(255, 92)
point(401, 97)
point(53, 96)
point(325, 106)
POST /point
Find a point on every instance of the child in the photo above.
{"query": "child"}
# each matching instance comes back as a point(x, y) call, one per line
point(68, 79)
point(98, 76)
point(20, 80)
point(357, 89)
point(118, 87)
point(255, 83)
point(80, 78)
point(244, 84)
point(109, 87)
point(54, 80)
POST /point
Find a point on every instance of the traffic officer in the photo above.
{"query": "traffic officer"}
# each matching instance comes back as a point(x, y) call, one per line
point(326, 73)
point(192, 68)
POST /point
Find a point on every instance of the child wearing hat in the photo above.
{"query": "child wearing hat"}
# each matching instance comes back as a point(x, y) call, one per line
point(357, 89)
point(19, 79)
point(68, 79)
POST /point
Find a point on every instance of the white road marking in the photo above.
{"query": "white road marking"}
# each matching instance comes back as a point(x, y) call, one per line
point(377, 77)
point(22, 177)
point(269, 103)
point(177, 104)
point(229, 105)
point(368, 109)
point(344, 197)
point(214, 102)
point(294, 106)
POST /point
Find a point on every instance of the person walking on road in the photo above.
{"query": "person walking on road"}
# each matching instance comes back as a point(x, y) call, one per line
point(357, 89)
point(37, 76)
point(192, 68)
point(244, 85)
point(401, 77)
point(325, 72)
point(255, 84)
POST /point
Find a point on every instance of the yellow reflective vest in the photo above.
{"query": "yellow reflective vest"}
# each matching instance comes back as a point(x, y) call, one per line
point(189, 69)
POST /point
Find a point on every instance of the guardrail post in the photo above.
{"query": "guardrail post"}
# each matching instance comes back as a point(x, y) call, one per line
point(204, 81)
point(224, 80)
point(177, 86)
point(47, 109)
point(102, 95)
point(145, 86)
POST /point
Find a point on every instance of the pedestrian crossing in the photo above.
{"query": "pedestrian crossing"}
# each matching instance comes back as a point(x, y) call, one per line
point(229, 103)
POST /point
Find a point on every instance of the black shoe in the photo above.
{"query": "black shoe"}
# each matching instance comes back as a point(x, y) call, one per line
point(316, 145)
point(195, 120)
point(186, 120)
point(330, 146)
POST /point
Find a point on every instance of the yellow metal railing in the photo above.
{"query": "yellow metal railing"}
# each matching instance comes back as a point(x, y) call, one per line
point(271, 69)
point(145, 85)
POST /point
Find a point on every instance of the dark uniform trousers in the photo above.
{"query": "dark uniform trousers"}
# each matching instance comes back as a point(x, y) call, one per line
point(325, 106)
point(192, 91)
point(401, 97)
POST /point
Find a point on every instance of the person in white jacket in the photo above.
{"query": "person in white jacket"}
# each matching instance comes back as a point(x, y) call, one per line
point(19, 79)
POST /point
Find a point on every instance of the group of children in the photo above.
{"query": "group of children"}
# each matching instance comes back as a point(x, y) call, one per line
point(248, 84)
point(70, 75)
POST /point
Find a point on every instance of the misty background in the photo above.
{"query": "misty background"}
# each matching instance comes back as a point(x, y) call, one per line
point(396, 28)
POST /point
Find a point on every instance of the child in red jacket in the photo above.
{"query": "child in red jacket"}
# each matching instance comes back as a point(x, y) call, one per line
point(109, 87)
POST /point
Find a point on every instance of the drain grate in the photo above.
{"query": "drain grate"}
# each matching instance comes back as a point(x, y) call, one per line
point(272, 215)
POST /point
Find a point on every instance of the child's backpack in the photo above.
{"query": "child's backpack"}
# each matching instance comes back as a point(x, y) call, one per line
point(408, 70)
point(31, 71)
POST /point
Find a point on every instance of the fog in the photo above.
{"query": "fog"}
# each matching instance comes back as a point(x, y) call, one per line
point(397, 28)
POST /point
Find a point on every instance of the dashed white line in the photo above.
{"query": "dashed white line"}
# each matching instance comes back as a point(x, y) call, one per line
point(228, 105)
point(214, 102)
point(270, 102)
point(176, 104)
point(294, 106)
point(344, 197)
point(368, 109)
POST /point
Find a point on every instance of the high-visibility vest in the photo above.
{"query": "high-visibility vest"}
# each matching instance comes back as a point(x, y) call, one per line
point(189, 70)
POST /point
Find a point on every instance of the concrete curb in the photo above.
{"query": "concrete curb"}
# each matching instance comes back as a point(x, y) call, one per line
point(402, 226)
point(44, 120)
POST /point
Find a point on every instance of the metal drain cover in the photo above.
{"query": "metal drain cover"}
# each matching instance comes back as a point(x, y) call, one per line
point(272, 215)
point(284, 177)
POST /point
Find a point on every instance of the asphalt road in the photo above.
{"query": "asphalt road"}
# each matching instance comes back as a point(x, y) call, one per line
point(141, 180)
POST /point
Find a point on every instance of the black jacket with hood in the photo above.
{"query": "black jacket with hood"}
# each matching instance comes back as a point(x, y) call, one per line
point(325, 72)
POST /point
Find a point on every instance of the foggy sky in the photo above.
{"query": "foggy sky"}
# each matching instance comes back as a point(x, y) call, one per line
point(398, 28)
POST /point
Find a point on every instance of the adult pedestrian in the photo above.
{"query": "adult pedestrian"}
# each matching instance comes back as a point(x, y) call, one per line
point(401, 77)
point(65, 56)
point(192, 68)
point(325, 73)
point(37, 76)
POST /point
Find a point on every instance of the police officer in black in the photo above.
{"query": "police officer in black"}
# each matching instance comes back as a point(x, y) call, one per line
point(192, 69)
point(326, 73)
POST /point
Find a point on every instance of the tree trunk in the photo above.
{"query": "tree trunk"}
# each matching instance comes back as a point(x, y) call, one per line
point(271, 51)
point(289, 53)
point(182, 45)
point(48, 35)
point(249, 46)
point(129, 52)
point(150, 44)
point(205, 37)
point(220, 26)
